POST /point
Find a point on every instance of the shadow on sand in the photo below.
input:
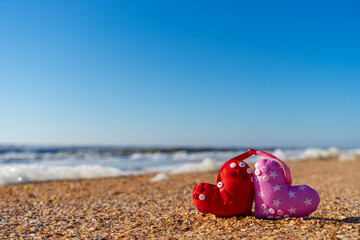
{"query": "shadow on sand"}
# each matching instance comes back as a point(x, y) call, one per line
point(344, 220)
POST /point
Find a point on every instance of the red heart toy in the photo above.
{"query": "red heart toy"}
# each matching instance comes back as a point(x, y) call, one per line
point(234, 192)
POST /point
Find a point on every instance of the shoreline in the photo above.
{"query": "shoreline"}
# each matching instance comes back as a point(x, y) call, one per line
point(132, 207)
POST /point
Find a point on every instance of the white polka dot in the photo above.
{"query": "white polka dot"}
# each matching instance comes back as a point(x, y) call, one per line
point(242, 164)
point(264, 169)
point(271, 210)
point(248, 170)
point(233, 165)
point(257, 172)
point(264, 206)
point(266, 178)
point(280, 212)
point(220, 184)
point(202, 197)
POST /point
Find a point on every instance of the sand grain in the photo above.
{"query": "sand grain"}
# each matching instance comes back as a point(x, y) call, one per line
point(135, 208)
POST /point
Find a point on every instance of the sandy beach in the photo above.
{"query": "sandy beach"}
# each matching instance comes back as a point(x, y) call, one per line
point(135, 208)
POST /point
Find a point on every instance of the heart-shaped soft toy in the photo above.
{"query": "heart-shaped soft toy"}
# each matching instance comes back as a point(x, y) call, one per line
point(234, 192)
point(274, 195)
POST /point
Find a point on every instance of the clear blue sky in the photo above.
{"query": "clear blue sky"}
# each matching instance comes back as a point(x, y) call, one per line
point(234, 73)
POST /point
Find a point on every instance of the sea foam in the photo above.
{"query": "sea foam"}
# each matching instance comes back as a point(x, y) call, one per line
point(306, 154)
point(207, 165)
point(23, 173)
point(21, 165)
point(160, 177)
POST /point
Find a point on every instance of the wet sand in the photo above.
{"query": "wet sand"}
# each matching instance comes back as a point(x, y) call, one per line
point(135, 208)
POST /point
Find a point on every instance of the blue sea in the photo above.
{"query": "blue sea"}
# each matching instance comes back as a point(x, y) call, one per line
point(22, 164)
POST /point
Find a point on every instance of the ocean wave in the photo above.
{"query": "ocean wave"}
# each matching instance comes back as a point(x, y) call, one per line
point(25, 165)
point(305, 154)
point(37, 172)
point(207, 165)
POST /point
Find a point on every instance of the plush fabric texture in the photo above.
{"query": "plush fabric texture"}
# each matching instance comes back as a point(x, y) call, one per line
point(232, 195)
point(274, 195)
point(270, 183)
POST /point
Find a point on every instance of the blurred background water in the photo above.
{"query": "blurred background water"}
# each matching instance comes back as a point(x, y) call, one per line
point(20, 164)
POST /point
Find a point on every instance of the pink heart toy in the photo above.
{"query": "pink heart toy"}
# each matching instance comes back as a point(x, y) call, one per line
point(274, 195)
